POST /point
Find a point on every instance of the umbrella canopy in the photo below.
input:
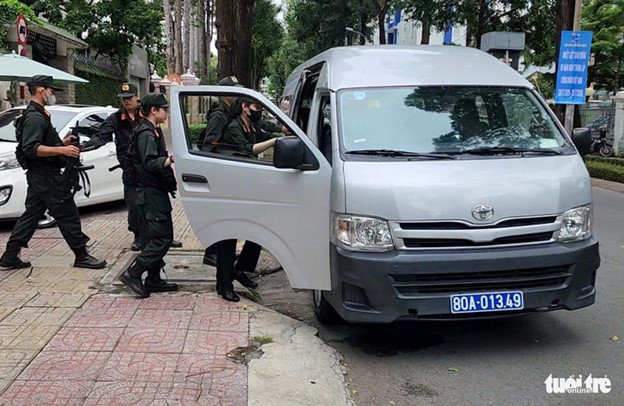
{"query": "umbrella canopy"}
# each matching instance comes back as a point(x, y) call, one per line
point(15, 67)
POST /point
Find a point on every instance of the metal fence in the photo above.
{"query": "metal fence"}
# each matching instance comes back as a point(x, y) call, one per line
point(598, 118)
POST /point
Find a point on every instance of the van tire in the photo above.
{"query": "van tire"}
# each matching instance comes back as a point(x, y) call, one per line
point(323, 310)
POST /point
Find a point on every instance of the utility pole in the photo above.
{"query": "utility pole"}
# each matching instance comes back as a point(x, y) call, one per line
point(569, 113)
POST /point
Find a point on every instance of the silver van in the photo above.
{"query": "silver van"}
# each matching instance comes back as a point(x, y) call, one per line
point(414, 183)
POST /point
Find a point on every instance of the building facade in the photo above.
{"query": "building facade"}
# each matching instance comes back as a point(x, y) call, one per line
point(402, 31)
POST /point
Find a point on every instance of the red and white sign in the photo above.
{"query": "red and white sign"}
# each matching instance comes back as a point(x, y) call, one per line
point(22, 34)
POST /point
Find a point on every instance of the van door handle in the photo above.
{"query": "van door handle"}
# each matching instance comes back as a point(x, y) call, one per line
point(190, 178)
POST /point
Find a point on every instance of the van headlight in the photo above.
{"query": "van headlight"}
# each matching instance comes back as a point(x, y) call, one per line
point(8, 161)
point(355, 233)
point(576, 224)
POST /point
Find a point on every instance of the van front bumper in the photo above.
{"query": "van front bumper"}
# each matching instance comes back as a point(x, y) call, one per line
point(403, 285)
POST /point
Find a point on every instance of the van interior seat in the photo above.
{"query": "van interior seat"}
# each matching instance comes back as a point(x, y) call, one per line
point(325, 143)
point(466, 118)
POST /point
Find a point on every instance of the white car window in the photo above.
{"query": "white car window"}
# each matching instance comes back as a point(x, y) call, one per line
point(7, 129)
point(89, 125)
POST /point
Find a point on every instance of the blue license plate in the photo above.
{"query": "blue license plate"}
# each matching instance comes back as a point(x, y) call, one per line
point(487, 302)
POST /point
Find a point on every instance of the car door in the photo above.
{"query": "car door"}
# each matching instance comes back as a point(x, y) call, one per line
point(105, 185)
point(284, 210)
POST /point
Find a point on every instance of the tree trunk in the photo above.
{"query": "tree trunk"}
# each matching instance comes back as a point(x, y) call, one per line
point(484, 8)
point(234, 31)
point(202, 16)
point(381, 19)
point(177, 37)
point(186, 37)
point(210, 14)
point(426, 33)
point(168, 32)
point(564, 22)
point(363, 26)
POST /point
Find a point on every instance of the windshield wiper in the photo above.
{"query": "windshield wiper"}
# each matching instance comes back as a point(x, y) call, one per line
point(2, 139)
point(510, 150)
point(395, 153)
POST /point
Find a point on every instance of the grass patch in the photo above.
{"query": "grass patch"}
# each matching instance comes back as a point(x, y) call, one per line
point(263, 339)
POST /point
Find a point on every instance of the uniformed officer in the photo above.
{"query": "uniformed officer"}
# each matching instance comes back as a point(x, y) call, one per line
point(217, 121)
point(41, 151)
point(243, 136)
point(152, 164)
point(122, 123)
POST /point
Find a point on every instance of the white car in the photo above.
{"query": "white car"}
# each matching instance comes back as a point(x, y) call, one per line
point(106, 186)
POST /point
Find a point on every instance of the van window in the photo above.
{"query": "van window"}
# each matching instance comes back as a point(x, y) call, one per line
point(205, 114)
point(444, 119)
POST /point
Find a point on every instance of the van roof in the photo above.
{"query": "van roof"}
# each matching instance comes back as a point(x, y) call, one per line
point(425, 65)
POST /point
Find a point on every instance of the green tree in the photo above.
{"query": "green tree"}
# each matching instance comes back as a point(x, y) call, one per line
point(289, 55)
point(436, 14)
point(110, 27)
point(9, 10)
point(266, 39)
point(606, 20)
point(318, 25)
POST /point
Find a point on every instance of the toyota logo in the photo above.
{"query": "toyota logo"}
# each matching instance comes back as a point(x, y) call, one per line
point(482, 212)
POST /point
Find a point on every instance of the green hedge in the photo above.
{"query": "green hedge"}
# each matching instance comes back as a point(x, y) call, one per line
point(100, 91)
point(194, 130)
point(605, 170)
point(598, 158)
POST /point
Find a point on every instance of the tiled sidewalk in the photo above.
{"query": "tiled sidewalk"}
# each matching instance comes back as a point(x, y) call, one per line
point(168, 349)
point(62, 342)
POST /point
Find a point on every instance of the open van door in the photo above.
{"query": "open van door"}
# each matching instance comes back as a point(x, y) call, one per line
point(226, 197)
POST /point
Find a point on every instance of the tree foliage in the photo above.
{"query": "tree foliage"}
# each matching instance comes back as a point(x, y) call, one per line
point(266, 39)
point(110, 27)
point(9, 10)
point(606, 20)
point(289, 55)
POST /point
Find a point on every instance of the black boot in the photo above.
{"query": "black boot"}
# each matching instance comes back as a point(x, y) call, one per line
point(244, 279)
point(136, 244)
point(176, 244)
point(84, 260)
point(154, 283)
point(228, 294)
point(131, 277)
point(10, 259)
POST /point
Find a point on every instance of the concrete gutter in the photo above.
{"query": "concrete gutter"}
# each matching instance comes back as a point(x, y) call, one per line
point(297, 367)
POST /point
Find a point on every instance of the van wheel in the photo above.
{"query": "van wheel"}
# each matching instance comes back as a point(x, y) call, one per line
point(47, 221)
point(324, 311)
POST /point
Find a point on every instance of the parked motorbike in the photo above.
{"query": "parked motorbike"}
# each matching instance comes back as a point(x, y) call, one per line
point(601, 146)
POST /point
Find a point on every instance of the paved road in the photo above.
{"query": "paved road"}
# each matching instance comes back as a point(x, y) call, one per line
point(496, 362)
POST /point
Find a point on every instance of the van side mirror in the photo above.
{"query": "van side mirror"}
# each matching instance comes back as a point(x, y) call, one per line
point(582, 140)
point(289, 153)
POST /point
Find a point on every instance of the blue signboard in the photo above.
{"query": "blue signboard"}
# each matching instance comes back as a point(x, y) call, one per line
point(572, 69)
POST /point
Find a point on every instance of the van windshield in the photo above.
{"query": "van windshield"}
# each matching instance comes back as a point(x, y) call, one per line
point(446, 120)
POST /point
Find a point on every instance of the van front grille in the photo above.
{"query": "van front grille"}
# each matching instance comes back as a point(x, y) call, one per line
point(456, 225)
point(463, 243)
point(468, 282)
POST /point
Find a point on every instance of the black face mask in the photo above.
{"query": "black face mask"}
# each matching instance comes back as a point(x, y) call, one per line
point(255, 116)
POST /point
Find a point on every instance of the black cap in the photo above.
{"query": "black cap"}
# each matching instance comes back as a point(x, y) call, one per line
point(127, 90)
point(247, 100)
point(43, 81)
point(229, 81)
point(153, 100)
